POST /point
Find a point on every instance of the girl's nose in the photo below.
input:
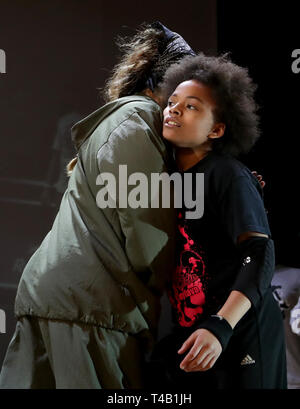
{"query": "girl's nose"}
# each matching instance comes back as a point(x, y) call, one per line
point(175, 109)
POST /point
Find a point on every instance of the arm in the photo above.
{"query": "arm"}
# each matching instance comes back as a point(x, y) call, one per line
point(206, 345)
point(237, 303)
point(244, 218)
point(235, 307)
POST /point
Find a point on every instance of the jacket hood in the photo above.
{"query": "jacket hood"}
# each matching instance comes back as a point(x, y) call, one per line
point(86, 126)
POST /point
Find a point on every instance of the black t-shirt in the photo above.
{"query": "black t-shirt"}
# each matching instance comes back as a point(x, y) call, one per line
point(208, 260)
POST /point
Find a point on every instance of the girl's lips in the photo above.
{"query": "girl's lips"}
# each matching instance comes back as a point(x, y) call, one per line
point(171, 123)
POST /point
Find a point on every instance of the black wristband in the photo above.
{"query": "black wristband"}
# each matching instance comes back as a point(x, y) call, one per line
point(219, 327)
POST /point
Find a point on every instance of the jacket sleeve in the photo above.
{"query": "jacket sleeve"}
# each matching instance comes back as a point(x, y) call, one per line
point(134, 152)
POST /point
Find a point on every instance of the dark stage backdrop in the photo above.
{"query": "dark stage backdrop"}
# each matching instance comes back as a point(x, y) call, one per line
point(57, 54)
point(267, 41)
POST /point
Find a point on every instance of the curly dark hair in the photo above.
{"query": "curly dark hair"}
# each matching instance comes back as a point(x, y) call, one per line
point(233, 91)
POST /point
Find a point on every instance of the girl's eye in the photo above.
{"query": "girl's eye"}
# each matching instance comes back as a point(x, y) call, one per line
point(191, 106)
point(170, 103)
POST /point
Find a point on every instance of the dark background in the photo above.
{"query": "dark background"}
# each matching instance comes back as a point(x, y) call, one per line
point(60, 52)
point(263, 38)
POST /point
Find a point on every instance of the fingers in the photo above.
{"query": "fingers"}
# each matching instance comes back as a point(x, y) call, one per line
point(205, 349)
point(198, 361)
point(187, 344)
point(193, 353)
point(259, 178)
point(205, 365)
point(204, 361)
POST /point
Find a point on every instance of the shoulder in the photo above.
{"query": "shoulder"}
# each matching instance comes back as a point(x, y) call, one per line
point(134, 126)
point(125, 116)
point(131, 116)
point(227, 171)
point(100, 123)
point(227, 166)
point(145, 107)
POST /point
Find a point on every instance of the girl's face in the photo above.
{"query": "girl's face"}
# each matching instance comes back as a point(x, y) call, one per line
point(188, 117)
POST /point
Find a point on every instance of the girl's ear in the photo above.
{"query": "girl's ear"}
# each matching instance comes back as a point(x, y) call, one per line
point(217, 131)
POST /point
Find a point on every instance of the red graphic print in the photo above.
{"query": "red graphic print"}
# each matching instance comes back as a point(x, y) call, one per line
point(187, 295)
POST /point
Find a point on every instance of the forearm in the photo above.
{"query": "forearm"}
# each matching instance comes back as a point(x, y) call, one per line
point(253, 279)
point(257, 267)
point(214, 333)
point(235, 307)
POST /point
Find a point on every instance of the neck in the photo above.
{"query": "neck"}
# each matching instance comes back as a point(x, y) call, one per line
point(153, 95)
point(188, 157)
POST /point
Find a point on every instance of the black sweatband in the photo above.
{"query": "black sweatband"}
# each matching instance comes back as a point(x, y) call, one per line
point(218, 326)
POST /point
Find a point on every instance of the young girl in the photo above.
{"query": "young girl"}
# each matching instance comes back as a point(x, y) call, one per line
point(227, 330)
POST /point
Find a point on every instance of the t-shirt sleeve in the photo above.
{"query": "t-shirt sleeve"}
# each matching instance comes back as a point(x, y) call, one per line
point(242, 208)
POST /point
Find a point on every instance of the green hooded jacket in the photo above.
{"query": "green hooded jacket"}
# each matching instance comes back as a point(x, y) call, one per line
point(106, 266)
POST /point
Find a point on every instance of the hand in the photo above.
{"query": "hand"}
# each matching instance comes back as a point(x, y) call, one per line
point(260, 179)
point(205, 349)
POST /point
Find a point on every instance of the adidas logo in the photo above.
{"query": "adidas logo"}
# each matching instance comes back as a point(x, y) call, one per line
point(247, 360)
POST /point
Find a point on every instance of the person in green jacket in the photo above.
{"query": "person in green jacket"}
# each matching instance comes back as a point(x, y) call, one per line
point(88, 300)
